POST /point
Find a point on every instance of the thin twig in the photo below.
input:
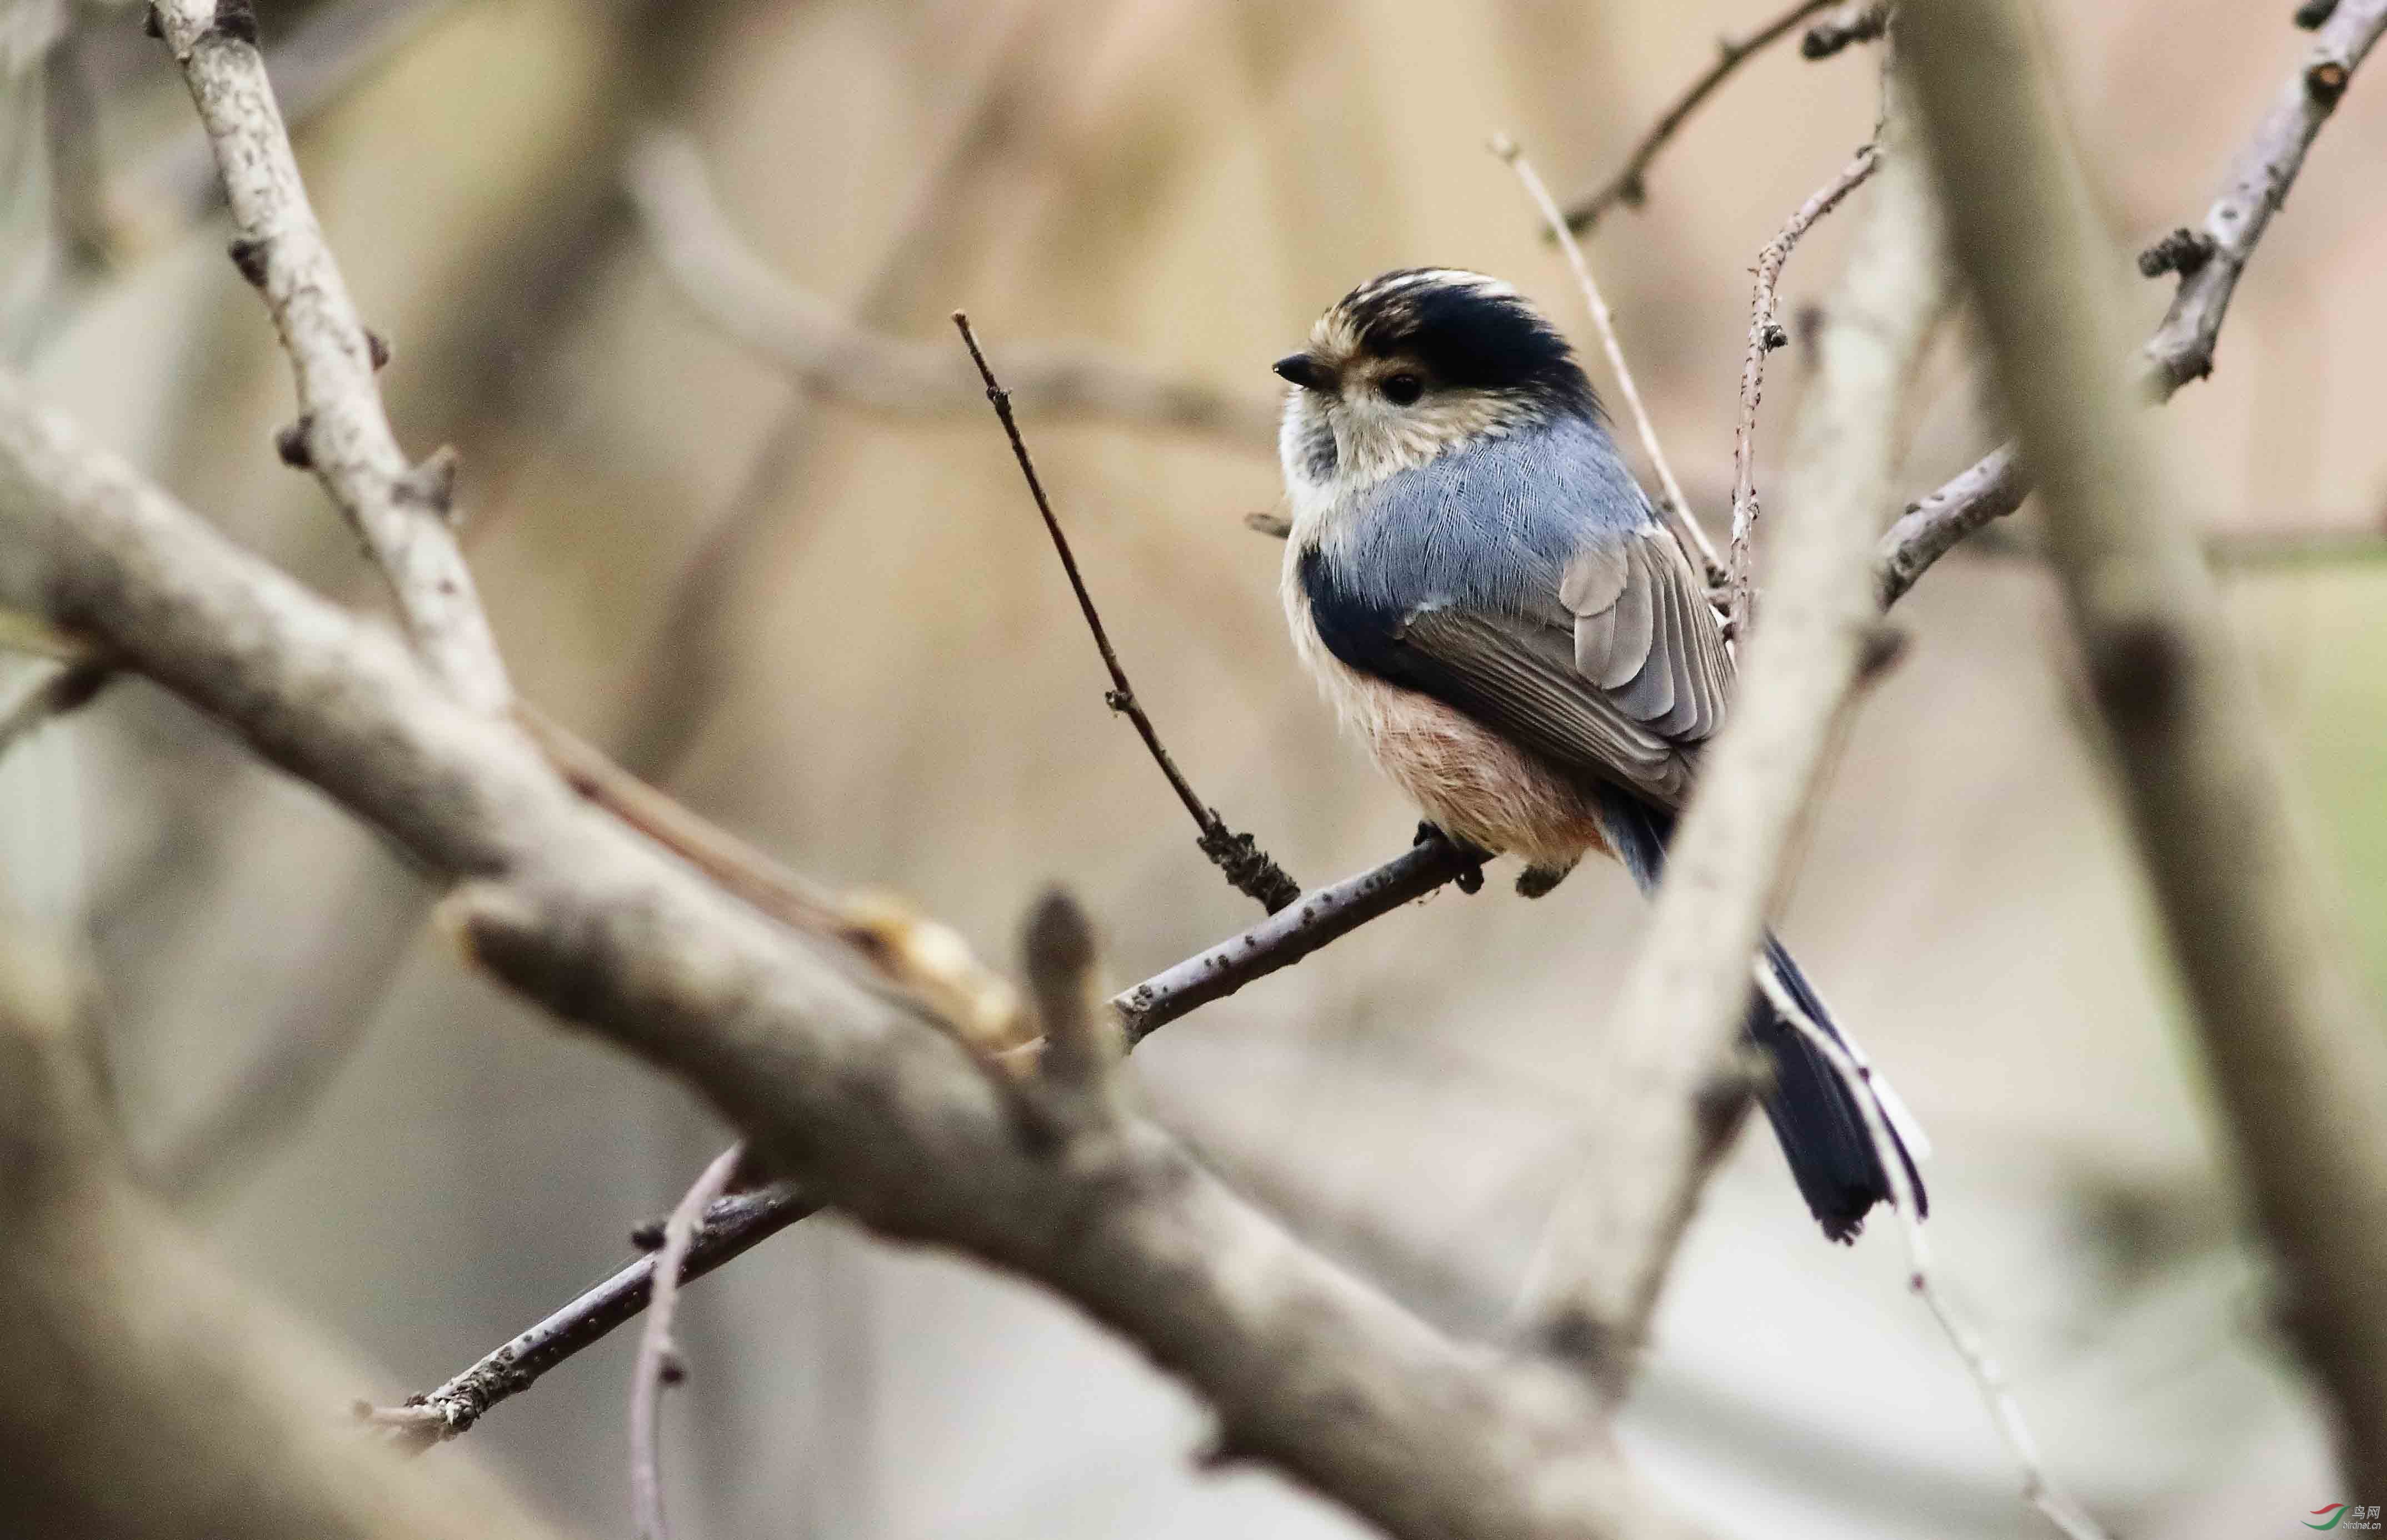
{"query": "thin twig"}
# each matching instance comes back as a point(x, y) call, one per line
point(2038, 1488)
point(1764, 336)
point(1677, 508)
point(1629, 185)
point(725, 281)
point(1238, 856)
point(659, 1361)
point(403, 513)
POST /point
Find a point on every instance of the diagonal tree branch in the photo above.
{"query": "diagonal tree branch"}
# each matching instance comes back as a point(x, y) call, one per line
point(861, 1094)
point(402, 512)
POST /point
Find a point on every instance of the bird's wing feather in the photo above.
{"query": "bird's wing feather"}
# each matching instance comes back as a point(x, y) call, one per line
point(1623, 672)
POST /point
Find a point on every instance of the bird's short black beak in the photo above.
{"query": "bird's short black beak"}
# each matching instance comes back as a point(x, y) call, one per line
point(1301, 370)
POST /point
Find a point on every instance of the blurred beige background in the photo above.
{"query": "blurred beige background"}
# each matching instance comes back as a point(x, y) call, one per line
point(884, 682)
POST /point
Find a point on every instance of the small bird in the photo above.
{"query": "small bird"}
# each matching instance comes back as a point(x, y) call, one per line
point(1487, 598)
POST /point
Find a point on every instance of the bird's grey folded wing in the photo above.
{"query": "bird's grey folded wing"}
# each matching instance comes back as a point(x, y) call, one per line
point(1624, 673)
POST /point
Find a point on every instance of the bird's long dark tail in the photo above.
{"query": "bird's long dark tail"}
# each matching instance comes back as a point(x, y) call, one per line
point(1814, 1111)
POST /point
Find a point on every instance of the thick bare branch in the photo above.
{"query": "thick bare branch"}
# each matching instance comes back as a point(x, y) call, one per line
point(1612, 1240)
point(736, 1225)
point(737, 292)
point(402, 512)
point(2299, 1058)
point(850, 1088)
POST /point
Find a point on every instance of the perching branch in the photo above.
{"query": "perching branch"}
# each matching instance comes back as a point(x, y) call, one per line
point(1629, 186)
point(2298, 1055)
point(1673, 507)
point(1238, 857)
point(2181, 349)
point(736, 1225)
point(734, 289)
point(402, 512)
point(1764, 336)
point(860, 1092)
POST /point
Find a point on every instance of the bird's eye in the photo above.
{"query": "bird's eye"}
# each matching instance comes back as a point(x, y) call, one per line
point(1402, 389)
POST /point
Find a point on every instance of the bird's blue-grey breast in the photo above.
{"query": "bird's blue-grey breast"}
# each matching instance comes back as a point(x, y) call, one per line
point(1490, 525)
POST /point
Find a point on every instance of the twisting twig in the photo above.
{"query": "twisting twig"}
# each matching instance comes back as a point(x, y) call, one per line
point(1677, 508)
point(659, 1362)
point(2038, 1488)
point(403, 513)
point(1764, 336)
point(1246, 865)
point(1629, 185)
point(734, 289)
point(66, 690)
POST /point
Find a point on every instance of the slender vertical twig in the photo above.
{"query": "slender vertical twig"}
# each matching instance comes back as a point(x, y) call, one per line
point(659, 1362)
point(1677, 508)
point(1238, 856)
point(1764, 336)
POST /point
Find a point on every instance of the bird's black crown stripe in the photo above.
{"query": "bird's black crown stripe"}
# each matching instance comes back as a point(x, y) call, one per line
point(1469, 336)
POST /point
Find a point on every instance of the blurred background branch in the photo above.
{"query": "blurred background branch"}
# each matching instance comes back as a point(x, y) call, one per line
point(726, 285)
point(2298, 1055)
